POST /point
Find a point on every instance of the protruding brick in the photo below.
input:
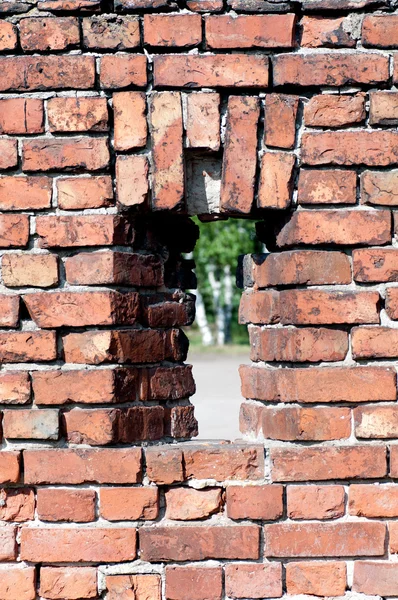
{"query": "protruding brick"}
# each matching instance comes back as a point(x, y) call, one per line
point(142, 586)
point(76, 506)
point(21, 115)
point(254, 580)
point(321, 32)
point(40, 34)
point(263, 502)
point(186, 504)
point(75, 466)
point(325, 463)
point(379, 187)
point(232, 461)
point(130, 125)
point(33, 270)
point(280, 120)
point(194, 543)
point(132, 183)
point(79, 193)
point(203, 120)
point(179, 30)
point(276, 180)
point(73, 582)
point(316, 578)
point(375, 264)
point(240, 154)
point(203, 583)
point(315, 502)
point(44, 154)
point(28, 346)
point(17, 580)
point(295, 423)
point(332, 110)
point(105, 32)
point(17, 505)
point(59, 545)
point(123, 70)
point(77, 114)
point(380, 31)
point(14, 387)
point(82, 230)
point(333, 186)
point(9, 466)
point(129, 504)
point(31, 424)
point(250, 31)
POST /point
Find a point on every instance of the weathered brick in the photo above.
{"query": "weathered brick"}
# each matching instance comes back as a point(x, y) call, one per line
point(324, 463)
point(73, 582)
point(8, 544)
point(379, 578)
point(28, 346)
point(129, 504)
point(333, 186)
point(280, 120)
point(186, 504)
point(318, 32)
point(191, 543)
point(383, 108)
point(166, 383)
point(203, 583)
point(10, 467)
point(82, 230)
point(375, 264)
point(180, 422)
point(182, 30)
point(123, 70)
point(376, 422)
point(21, 115)
point(55, 33)
point(14, 388)
point(240, 149)
point(9, 310)
point(392, 303)
point(393, 537)
point(120, 587)
point(65, 153)
point(105, 32)
point(59, 545)
point(373, 501)
point(164, 464)
point(35, 270)
point(205, 70)
point(79, 193)
point(8, 36)
point(130, 127)
point(297, 345)
point(380, 31)
point(76, 506)
point(315, 502)
point(325, 384)
point(132, 183)
point(24, 193)
point(31, 424)
point(17, 505)
point(316, 578)
point(374, 342)
point(28, 73)
point(263, 502)
point(250, 31)
point(379, 187)
point(203, 120)
point(8, 153)
point(222, 462)
point(77, 114)
point(330, 69)
point(75, 466)
point(295, 423)
point(68, 5)
point(331, 110)
point(343, 228)
point(276, 180)
point(17, 580)
point(254, 580)
point(94, 427)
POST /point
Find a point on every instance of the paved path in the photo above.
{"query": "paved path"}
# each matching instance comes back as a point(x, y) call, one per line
point(218, 397)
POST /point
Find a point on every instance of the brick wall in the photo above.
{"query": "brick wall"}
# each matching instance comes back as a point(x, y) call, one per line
point(118, 121)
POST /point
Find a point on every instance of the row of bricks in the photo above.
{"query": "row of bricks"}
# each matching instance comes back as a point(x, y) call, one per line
point(259, 503)
point(242, 580)
point(40, 34)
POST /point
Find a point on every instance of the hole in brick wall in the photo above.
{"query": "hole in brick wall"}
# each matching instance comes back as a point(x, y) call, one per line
point(218, 343)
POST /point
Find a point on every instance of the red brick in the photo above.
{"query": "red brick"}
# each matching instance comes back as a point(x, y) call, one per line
point(21, 115)
point(79, 193)
point(375, 264)
point(28, 346)
point(371, 148)
point(17, 580)
point(263, 502)
point(8, 153)
point(336, 4)
point(129, 504)
point(231, 461)
point(75, 466)
point(280, 120)
point(104, 32)
point(393, 537)
point(294, 423)
point(374, 342)
point(191, 543)
point(132, 185)
point(297, 345)
point(66, 505)
point(17, 505)
point(73, 582)
point(331, 110)
point(14, 388)
point(380, 31)
point(276, 180)
point(379, 188)
point(43, 154)
point(182, 30)
point(130, 127)
point(324, 539)
point(82, 230)
point(315, 502)
point(376, 422)
point(8, 36)
point(317, 578)
point(240, 154)
point(166, 383)
point(59, 545)
point(344, 228)
point(325, 463)
point(36, 270)
point(186, 504)
point(54, 33)
point(68, 5)
point(373, 501)
point(327, 187)
point(325, 384)
point(164, 464)
point(24, 193)
point(31, 424)
point(330, 69)
point(123, 70)
point(321, 32)
point(383, 108)
point(254, 580)
point(77, 114)
point(203, 6)
point(79, 309)
point(28, 73)
point(142, 423)
point(205, 70)
point(203, 120)
point(105, 386)
point(8, 544)
point(203, 583)
point(379, 578)
point(392, 303)
point(120, 587)
point(180, 422)
point(167, 154)
point(9, 467)
point(250, 31)
point(94, 427)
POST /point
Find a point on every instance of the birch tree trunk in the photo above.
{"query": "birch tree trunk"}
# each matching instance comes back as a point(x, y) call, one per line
point(228, 297)
point(219, 311)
